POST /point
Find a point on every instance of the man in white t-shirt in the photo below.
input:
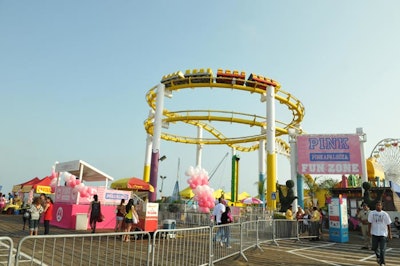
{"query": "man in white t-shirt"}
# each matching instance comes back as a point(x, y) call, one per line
point(219, 209)
point(379, 230)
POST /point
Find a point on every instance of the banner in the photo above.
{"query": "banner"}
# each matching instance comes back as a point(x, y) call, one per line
point(329, 154)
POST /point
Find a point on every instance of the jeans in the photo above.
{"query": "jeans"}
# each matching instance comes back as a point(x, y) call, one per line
point(219, 234)
point(379, 241)
point(46, 226)
point(226, 235)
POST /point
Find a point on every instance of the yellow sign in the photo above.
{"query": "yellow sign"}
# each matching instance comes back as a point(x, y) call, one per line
point(43, 189)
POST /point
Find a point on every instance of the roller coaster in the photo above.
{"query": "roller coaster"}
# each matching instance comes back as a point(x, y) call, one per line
point(232, 80)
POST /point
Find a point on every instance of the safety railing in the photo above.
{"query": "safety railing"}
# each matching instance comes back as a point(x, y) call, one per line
point(203, 245)
point(6, 250)
point(84, 249)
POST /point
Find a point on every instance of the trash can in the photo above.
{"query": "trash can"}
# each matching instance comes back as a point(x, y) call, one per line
point(169, 224)
point(81, 221)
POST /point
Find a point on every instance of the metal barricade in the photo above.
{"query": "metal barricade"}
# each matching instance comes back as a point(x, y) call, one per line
point(265, 231)
point(285, 229)
point(226, 241)
point(168, 246)
point(85, 249)
point(6, 250)
point(188, 246)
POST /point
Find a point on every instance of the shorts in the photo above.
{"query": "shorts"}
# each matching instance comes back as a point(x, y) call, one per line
point(128, 221)
point(33, 224)
point(120, 218)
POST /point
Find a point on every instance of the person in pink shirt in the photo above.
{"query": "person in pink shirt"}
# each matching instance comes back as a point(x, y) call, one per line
point(2, 202)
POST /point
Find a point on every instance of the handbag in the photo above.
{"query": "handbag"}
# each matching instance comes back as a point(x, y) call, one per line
point(27, 215)
point(101, 218)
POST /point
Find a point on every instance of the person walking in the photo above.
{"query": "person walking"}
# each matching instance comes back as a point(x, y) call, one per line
point(94, 212)
point(121, 212)
point(36, 210)
point(363, 217)
point(219, 209)
point(380, 231)
point(48, 215)
point(131, 218)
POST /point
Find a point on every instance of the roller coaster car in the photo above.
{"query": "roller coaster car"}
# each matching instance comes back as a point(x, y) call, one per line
point(199, 76)
point(230, 78)
point(259, 82)
point(175, 78)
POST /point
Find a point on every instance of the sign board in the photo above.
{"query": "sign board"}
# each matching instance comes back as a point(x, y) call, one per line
point(273, 195)
point(67, 166)
point(329, 154)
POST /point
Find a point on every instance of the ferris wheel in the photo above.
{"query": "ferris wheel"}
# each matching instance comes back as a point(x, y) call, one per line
point(387, 154)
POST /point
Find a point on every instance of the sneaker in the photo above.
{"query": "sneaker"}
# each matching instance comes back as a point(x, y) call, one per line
point(229, 247)
point(221, 244)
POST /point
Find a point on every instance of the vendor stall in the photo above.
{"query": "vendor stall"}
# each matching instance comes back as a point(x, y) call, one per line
point(73, 196)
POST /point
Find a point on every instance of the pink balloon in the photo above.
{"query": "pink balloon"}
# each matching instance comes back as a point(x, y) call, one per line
point(204, 210)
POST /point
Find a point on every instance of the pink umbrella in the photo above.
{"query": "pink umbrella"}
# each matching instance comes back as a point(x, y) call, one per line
point(252, 200)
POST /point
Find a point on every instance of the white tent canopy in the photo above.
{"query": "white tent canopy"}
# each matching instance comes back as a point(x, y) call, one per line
point(84, 171)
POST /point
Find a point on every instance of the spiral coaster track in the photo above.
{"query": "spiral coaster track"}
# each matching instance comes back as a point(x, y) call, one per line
point(234, 80)
point(387, 154)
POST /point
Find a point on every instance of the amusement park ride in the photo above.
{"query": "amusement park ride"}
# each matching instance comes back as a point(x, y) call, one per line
point(270, 91)
point(202, 119)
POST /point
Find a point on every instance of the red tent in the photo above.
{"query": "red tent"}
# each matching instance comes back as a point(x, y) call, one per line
point(40, 186)
point(43, 186)
point(17, 188)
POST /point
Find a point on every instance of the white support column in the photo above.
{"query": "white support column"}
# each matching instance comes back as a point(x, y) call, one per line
point(363, 139)
point(199, 150)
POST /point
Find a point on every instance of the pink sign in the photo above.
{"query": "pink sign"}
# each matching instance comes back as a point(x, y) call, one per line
point(329, 154)
point(69, 195)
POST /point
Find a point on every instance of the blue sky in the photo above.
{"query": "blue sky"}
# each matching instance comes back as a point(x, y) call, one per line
point(74, 75)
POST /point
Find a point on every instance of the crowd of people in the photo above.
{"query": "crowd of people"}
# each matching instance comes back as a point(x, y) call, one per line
point(310, 221)
point(40, 206)
point(126, 216)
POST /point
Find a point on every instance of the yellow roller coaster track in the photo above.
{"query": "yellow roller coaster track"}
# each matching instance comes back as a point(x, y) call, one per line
point(201, 117)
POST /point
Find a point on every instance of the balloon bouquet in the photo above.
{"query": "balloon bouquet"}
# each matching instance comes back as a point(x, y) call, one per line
point(71, 181)
point(198, 182)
